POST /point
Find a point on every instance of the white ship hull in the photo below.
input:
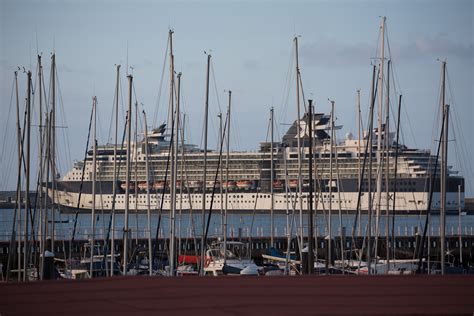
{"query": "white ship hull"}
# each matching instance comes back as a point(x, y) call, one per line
point(405, 201)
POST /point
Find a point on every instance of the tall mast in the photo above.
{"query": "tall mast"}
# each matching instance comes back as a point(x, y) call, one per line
point(387, 168)
point(18, 188)
point(181, 180)
point(148, 213)
point(359, 118)
point(444, 184)
point(272, 201)
point(310, 204)
point(300, 197)
point(444, 149)
point(369, 178)
point(331, 145)
point(395, 163)
point(127, 175)
point(27, 189)
point(459, 225)
point(172, 158)
point(339, 200)
point(135, 169)
point(173, 184)
point(288, 229)
point(379, 127)
point(227, 172)
point(40, 158)
point(94, 174)
point(221, 192)
point(203, 218)
point(53, 149)
point(114, 184)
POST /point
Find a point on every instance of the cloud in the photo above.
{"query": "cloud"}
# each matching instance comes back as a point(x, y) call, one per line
point(439, 46)
point(66, 68)
point(328, 52)
point(251, 64)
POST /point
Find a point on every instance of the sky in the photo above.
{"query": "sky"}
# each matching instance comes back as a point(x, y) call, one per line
point(252, 48)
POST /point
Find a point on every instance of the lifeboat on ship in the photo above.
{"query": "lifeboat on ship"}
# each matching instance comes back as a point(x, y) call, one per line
point(195, 184)
point(131, 185)
point(210, 184)
point(293, 183)
point(278, 184)
point(244, 184)
point(142, 186)
point(159, 185)
point(180, 185)
point(229, 185)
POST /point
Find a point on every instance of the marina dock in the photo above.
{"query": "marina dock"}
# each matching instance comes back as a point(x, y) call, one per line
point(405, 247)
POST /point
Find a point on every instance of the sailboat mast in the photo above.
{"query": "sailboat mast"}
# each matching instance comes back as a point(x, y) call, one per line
point(174, 174)
point(444, 176)
point(444, 148)
point(127, 175)
point(27, 189)
point(135, 169)
point(40, 158)
point(94, 174)
point(204, 171)
point(171, 158)
point(379, 129)
point(272, 201)
point(221, 167)
point(182, 184)
point(18, 189)
point(339, 203)
point(459, 225)
point(387, 168)
point(300, 197)
point(331, 145)
point(359, 175)
point(395, 180)
point(53, 149)
point(288, 227)
point(148, 213)
point(369, 178)
point(114, 184)
point(227, 172)
point(310, 204)
point(46, 181)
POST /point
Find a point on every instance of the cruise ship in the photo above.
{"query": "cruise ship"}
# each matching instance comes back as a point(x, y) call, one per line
point(244, 179)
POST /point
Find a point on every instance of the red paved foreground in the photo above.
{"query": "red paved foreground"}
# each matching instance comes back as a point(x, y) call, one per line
point(242, 296)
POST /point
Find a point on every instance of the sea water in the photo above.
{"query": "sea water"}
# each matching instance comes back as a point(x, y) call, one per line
point(238, 224)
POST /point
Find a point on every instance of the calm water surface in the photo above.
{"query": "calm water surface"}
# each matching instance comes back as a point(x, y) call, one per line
point(246, 224)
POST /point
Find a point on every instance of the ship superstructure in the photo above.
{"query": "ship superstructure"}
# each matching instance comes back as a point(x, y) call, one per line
point(249, 175)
